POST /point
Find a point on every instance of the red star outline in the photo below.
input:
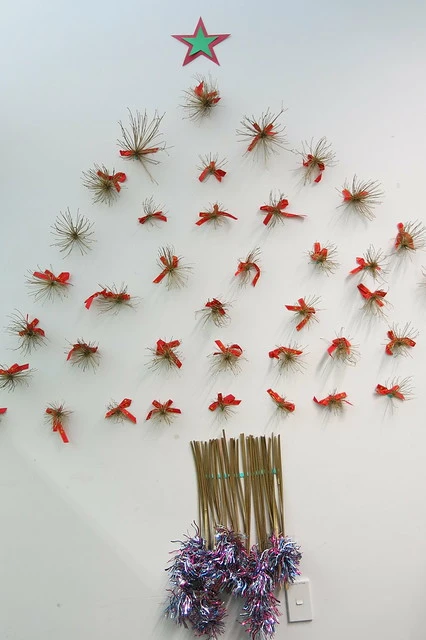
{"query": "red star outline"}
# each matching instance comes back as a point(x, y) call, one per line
point(218, 39)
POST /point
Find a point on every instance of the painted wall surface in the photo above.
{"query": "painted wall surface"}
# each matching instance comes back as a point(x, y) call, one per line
point(86, 528)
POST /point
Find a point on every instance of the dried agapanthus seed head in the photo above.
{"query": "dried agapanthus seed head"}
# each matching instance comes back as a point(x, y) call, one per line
point(362, 196)
point(265, 135)
point(324, 257)
point(316, 157)
point(401, 340)
point(396, 389)
point(57, 416)
point(44, 285)
point(174, 270)
point(411, 237)
point(247, 267)
point(111, 299)
point(289, 358)
point(224, 405)
point(215, 215)
point(372, 262)
point(119, 411)
point(343, 350)
point(29, 334)
point(216, 312)
point(282, 405)
point(72, 233)
point(374, 301)
point(305, 310)
point(275, 210)
point(13, 376)
point(211, 166)
point(103, 185)
point(152, 212)
point(142, 141)
point(83, 354)
point(200, 101)
point(335, 402)
point(163, 411)
point(227, 358)
point(165, 355)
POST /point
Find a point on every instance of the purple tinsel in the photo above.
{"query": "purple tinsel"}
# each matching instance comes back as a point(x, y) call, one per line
point(230, 557)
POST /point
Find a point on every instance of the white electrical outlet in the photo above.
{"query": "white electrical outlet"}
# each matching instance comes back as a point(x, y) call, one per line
point(299, 606)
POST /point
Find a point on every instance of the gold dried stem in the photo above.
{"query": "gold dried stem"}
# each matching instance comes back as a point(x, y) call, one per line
point(152, 213)
point(216, 312)
point(411, 236)
point(246, 267)
point(48, 289)
point(29, 334)
point(264, 135)
point(70, 233)
point(142, 140)
point(401, 340)
point(201, 100)
point(211, 165)
point(316, 157)
point(83, 354)
point(175, 272)
point(362, 196)
point(103, 185)
point(12, 377)
point(323, 257)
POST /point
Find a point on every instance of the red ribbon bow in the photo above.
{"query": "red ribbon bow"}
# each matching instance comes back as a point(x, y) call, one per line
point(215, 304)
point(362, 264)
point(348, 196)
point(321, 166)
point(267, 132)
point(319, 254)
point(302, 307)
point(158, 215)
point(403, 237)
point(211, 170)
point(130, 153)
point(276, 352)
point(105, 294)
point(3, 410)
point(288, 406)
point(122, 408)
point(245, 266)
point(168, 267)
point(32, 328)
point(338, 397)
point(62, 278)
point(278, 209)
point(208, 215)
point(394, 392)
point(167, 348)
point(405, 341)
point(212, 95)
point(338, 342)
point(116, 178)
point(159, 407)
point(233, 349)
point(57, 425)
point(227, 401)
point(15, 368)
point(78, 347)
point(375, 295)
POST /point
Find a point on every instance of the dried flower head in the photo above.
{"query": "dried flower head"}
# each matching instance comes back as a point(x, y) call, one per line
point(57, 416)
point(143, 140)
point(411, 236)
point(84, 354)
point(289, 359)
point(163, 411)
point(342, 350)
point(119, 412)
point(45, 285)
point(316, 157)
point(323, 258)
point(305, 310)
point(215, 214)
point(246, 267)
point(282, 405)
point(174, 271)
point(275, 210)
point(216, 312)
point(104, 186)
point(362, 196)
point(396, 389)
point(264, 135)
point(201, 99)
point(111, 299)
point(335, 402)
point(211, 166)
point(372, 262)
point(11, 377)
point(165, 355)
point(70, 233)
point(228, 358)
point(28, 332)
point(374, 301)
point(151, 213)
point(224, 405)
point(400, 340)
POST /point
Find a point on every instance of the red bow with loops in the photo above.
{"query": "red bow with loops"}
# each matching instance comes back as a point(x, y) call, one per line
point(47, 275)
point(162, 408)
point(115, 178)
point(281, 402)
point(375, 296)
point(321, 166)
point(394, 392)
point(227, 401)
point(122, 409)
point(303, 308)
point(211, 170)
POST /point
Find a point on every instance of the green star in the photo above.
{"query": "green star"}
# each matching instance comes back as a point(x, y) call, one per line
point(200, 43)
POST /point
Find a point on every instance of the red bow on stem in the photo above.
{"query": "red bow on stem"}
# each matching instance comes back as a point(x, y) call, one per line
point(166, 348)
point(212, 96)
point(211, 170)
point(321, 166)
point(215, 304)
point(62, 278)
point(319, 254)
point(3, 410)
point(105, 294)
point(32, 328)
point(338, 343)
point(57, 425)
point(278, 209)
point(362, 264)
point(211, 215)
point(162, 408)
point(393, 392)
point(116, 178)
point(122, 409)
point(168, 267)
point(333, 399)
point(221, 402)
point(303, 309)
point(266, 132)
point(283, 404)
point(348, 196)
point(233, 349)
point(130, 153)
point(404, 341)
point(78, 347)
point(15, 368)
point(375, 296)
point(246, 266)
point(158, 215)
point(403, 238)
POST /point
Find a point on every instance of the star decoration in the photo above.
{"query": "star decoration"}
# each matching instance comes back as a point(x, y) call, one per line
point(201, 44)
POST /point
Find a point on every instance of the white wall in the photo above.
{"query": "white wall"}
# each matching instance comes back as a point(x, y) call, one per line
point(86, 528)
